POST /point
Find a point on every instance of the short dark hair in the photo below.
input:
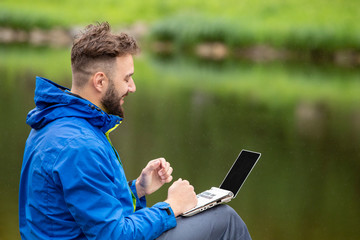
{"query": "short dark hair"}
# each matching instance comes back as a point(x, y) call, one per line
point(96, 49)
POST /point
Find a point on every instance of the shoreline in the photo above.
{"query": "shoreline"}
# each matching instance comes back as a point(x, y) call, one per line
point(215, 51)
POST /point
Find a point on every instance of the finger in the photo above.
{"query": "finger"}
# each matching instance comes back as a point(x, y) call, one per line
point(170, 171)
point(153, 164)
point(164, 170)
point(168, 166)
point(165, 165)
point(169, 179)
point(186, 182)
point(167, 175)
point(162, 162)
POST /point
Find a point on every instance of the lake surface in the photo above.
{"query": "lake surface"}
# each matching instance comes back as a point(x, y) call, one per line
point(304, 119)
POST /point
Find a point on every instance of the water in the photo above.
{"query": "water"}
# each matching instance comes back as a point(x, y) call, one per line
point(306, 184)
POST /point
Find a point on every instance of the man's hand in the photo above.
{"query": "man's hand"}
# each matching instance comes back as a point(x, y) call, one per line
point(156, 173)
point(181, 197)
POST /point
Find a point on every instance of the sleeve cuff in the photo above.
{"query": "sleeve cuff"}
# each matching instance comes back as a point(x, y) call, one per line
point(140, 202)
point(168, 216)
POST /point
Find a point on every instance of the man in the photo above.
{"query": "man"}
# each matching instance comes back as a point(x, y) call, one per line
point(72, 182)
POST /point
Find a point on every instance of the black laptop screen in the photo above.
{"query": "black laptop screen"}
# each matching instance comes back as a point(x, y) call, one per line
point(239, 171)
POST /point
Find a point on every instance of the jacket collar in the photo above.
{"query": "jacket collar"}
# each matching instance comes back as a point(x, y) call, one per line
point(54, 101)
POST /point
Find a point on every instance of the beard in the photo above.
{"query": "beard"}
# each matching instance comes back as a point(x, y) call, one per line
point(111, 101)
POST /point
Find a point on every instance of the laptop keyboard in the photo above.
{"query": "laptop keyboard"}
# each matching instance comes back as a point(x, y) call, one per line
point(206, 195)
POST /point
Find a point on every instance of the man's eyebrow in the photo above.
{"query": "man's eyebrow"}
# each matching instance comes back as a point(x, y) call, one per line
point(129, 75)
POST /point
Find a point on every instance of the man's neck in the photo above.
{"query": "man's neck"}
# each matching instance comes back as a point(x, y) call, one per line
point(87, 94)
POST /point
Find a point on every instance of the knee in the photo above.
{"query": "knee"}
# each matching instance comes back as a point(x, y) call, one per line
point(226, 209)
point(230, 214)
point(232, 220)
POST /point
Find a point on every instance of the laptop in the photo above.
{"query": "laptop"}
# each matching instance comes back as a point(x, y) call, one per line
point(230, 186)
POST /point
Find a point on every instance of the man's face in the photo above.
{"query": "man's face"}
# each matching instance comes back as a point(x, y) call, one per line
point(119, 86)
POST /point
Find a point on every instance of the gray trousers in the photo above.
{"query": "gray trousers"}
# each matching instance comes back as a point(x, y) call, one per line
point(220, 222)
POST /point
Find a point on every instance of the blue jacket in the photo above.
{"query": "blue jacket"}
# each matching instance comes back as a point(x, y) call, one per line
point(72, 184)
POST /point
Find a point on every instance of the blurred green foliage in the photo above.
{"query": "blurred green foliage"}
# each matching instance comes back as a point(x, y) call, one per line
point(337, 87)
point(47, 62)
point(277, 85)
point(280, 14)
point(187, 30)
point(27, 20)
point(304, 25)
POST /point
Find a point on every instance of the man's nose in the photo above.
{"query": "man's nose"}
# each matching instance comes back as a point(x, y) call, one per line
point(132, 86)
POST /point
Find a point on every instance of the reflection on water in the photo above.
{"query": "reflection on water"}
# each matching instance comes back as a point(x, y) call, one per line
point(305, 186)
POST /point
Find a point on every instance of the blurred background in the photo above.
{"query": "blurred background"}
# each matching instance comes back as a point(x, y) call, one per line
point(280, 77)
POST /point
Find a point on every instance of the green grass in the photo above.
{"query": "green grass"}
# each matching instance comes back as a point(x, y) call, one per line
point(305, 24)
point(27, 20)
point(187, 30)
point(259, 13)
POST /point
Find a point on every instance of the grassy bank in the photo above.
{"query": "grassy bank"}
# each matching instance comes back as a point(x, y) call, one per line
point(185, 32)
point(305, 24)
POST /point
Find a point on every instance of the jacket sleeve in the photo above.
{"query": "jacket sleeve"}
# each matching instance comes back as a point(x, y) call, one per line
point(140, 202)
point(93, 196)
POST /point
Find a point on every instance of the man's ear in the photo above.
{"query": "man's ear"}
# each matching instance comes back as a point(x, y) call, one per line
point(100, 81)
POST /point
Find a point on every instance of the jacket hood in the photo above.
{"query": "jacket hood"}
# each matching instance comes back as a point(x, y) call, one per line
point(54, 101)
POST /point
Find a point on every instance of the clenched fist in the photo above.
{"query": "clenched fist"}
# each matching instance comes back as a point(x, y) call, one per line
point(181, 197)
